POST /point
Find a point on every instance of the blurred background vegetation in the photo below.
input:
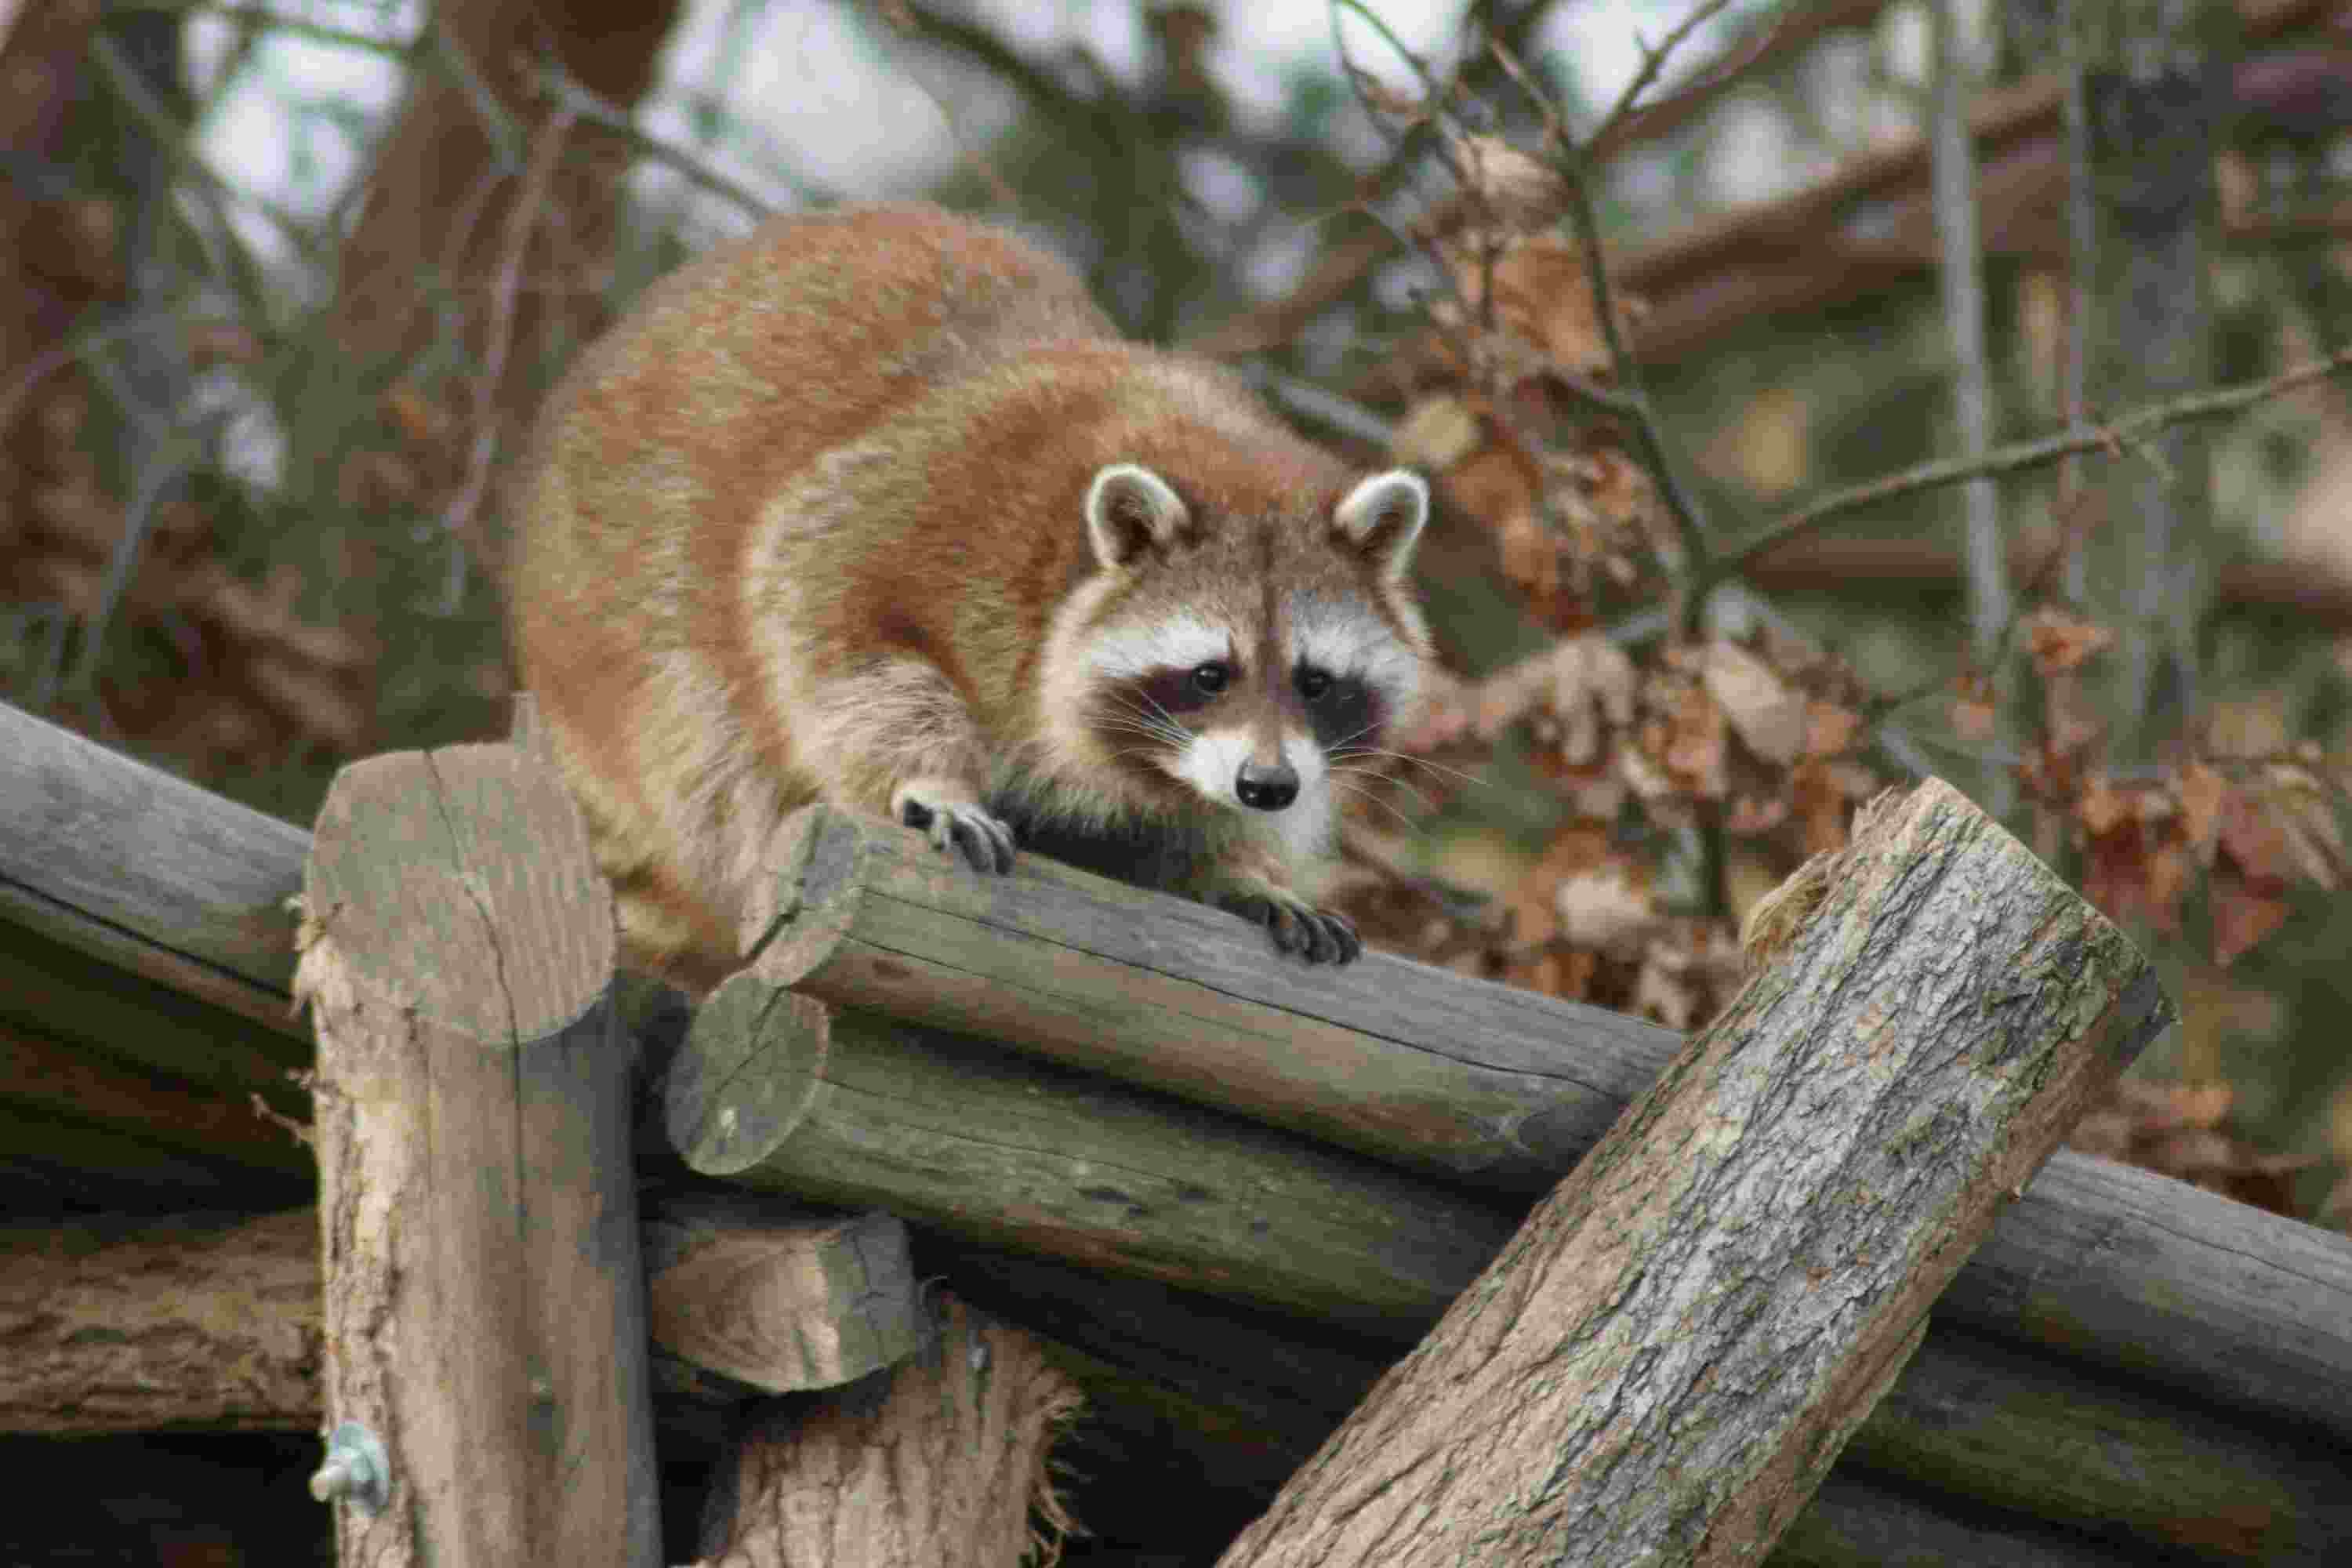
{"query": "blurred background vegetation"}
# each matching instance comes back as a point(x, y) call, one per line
point(287, 279)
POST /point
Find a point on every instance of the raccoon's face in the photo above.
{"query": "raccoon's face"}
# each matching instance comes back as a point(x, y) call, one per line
point(1243, 662)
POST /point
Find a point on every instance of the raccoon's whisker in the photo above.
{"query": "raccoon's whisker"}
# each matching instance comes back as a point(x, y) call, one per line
point(1417, 762)
point(1368, 774)
point(1410, 824)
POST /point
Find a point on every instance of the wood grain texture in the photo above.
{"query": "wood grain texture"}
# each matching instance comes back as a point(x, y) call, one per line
point(781, 1301)
point(859, 1110)
point(941, 1466)
point(2118, 1267)
point(484, 1305)
point(1668, 1356)
point(144, 869)
point(1387, 1056)
point(180, 1323)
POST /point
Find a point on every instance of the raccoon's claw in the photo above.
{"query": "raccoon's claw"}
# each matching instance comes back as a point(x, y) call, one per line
point(984, 841)
point(1318, 936)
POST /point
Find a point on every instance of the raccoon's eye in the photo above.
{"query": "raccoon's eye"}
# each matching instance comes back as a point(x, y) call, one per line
point(1210, 678)
point(1314, 684)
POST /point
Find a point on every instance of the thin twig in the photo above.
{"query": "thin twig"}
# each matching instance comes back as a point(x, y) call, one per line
point(2024, 454)
point(1653, 60)
point(566, 94)
point(1631, 402)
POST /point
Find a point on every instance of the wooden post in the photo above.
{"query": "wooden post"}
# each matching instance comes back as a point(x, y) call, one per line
point(484, 1315)
point(940, 1464)
point(1665, 1361)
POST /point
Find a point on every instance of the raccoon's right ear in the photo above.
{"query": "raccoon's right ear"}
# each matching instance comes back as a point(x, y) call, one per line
point(1130, 509)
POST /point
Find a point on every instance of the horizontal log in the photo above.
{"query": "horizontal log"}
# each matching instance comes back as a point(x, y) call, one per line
point(1260, 1392)
point(1016, 1155)
point(772, 1093)
point(2117, 1267)
point(780, 1302)
point(147, 871)
point(1390, 1057)
point(197, 1322)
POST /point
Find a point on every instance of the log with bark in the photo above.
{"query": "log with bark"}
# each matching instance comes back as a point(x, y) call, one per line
point(1674, 1348)
point(937, 1463)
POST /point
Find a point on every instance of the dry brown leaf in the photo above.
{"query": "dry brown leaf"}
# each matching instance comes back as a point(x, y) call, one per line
point(2243, 917)
point(1830, 730)
point(1542, 298)
point(1520, 192)
point(2060, 642)
point(1603, 910)
point(416, 416)
point(1972, 710)
point(1593, 689)
point(2101, 808)
point(1765, 712)
point(1697, 745)
point(2298, 805)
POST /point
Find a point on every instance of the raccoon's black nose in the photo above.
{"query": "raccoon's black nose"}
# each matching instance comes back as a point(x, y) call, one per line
point(1267, 788)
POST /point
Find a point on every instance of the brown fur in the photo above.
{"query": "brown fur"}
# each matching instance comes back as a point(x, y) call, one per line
point(800, 528)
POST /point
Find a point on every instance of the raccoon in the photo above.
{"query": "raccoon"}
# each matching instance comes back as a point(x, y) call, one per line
point(875, 507)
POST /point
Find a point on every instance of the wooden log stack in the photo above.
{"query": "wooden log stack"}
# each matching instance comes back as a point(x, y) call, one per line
point(2125, 1368)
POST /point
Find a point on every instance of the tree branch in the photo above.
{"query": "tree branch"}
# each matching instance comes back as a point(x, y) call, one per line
point(2024, 454)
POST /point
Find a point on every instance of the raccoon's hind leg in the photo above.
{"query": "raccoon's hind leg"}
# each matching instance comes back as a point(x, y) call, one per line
point(898, 737)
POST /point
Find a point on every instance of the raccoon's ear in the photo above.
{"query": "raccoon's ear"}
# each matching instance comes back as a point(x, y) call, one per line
point(1381, 519)
point(1130, 509)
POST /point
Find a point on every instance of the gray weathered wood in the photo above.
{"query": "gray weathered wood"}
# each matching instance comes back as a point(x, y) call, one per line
point(485, 1308)
point(2111, 1265)
point(145, 871)
point(1975, 1438)
point(859, 1109)
point(1390, 1057)
point(781, 1301)
point(1677, 1344)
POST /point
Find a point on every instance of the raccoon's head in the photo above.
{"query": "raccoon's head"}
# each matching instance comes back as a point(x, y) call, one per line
point(1236, 660)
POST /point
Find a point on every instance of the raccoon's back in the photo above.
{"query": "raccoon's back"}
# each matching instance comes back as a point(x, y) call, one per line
point(734, 373)
point(652, 463)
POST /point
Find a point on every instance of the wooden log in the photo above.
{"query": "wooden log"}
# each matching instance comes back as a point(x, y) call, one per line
point(192, 1322)
point(943, 1468)
point(780, 1301)
point(2117, 1267)
point(146, 871)
point(1390, 1057)
point(485, 1309)
point(1671, 1353)
point(1975, 1439)
point(72, 1091)
point(773, 1091)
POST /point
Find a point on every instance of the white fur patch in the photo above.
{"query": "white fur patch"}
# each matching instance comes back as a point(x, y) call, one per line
point(1347, 639)
point(1301, 831)
point(1176, 642)
point(1398, 496)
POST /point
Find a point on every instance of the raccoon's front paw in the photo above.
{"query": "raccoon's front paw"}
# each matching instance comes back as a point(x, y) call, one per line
point(955, 821)
point(1318, 936)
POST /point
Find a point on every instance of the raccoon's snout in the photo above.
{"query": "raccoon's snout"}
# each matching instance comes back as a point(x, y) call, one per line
point(1266, 787)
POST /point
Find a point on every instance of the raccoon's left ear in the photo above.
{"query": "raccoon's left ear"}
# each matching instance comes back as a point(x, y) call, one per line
point(1381, 519)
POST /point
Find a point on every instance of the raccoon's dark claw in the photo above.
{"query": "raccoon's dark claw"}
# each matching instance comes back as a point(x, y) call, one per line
point(1317, 936)
point(984, 842)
